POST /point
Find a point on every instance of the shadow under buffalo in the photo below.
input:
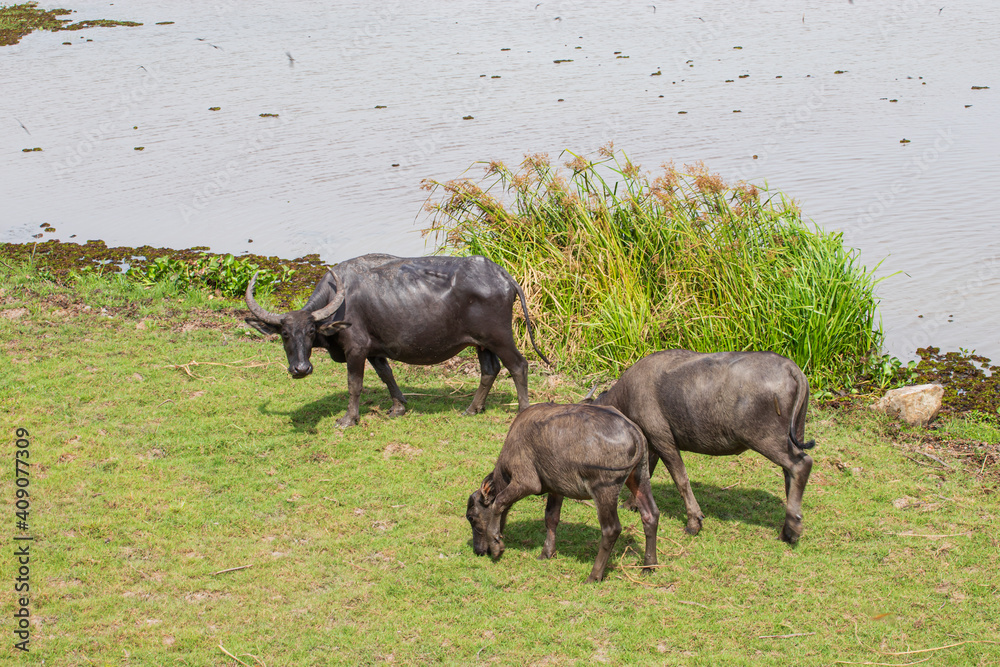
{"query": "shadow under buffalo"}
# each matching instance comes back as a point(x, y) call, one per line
point(581, 541)
point(573, 540)
point(420, 400)
point(744, 504)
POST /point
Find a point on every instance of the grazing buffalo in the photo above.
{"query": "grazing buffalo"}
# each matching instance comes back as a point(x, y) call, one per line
point(421, 310)
point(579, 451)
point(720, 404)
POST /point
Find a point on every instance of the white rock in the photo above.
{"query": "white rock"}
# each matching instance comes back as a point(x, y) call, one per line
point(917, 405)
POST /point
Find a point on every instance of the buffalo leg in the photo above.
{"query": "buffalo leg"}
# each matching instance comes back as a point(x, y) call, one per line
point(796, 469)
point(517, 366)
point(639, 485)
point(606, 500)
point(675, 465)
point(355, 381)
point(552, 509)
point(381, 366)
point(489, 368)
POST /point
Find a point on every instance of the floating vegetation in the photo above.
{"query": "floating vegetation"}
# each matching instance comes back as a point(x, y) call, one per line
point(904, 141)
point(622, 56)
point(505, 49)
point(269, 115)
point(16, 21)
point(744, 76)
point(616, 264)
point(840, 71)
point(893, 100)
point(495, 76)
point(737, 48)
point(214, 108)
point(165, 23)
point(971, 384)
point(31, 150)
point(737, 111)
point(467, 117)
point(682, 112)
point(564, 60)
point(378, 106)
point(980, 87)
point(730, 80)
point(656, 73)
point(139, 148)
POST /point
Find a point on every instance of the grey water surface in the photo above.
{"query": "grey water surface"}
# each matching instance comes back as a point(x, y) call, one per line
point(335, 175)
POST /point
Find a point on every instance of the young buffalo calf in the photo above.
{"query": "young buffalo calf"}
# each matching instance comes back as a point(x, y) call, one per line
point(579, 451)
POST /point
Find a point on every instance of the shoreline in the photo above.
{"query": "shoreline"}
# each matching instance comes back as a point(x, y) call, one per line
point(972, 383)
point(62, 257)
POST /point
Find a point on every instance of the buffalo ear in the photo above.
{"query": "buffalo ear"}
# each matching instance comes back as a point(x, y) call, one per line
point(486, 491)
point(263, 327)
point(333, 327)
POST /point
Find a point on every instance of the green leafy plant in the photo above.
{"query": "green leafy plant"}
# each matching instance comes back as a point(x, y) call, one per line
point(227, 274)
point(887, 371)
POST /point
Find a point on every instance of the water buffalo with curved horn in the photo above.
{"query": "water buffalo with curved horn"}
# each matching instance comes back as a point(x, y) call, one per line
point(421, 310)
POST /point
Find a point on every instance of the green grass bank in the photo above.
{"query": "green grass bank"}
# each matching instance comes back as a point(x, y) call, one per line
point(169, 448)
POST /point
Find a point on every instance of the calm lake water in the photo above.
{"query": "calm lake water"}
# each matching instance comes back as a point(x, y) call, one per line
point(320, 177)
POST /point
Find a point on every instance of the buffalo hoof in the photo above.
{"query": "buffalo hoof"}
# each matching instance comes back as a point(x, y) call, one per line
point(693, 526)
point(792, 529)
point(473, 410)
point(397, 411)
point(631, 504)
point(346, 421)
point(789, 535)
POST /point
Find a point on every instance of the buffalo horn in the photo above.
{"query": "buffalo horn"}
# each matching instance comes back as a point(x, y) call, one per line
point(590, 394)
point(330, 308)
point(256, 309)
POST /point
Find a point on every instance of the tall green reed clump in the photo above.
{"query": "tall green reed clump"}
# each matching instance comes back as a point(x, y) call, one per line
point(616, 268)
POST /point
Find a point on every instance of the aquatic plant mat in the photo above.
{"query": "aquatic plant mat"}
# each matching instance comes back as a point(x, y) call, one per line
point(16, 21)
point(617, 264)
point(191, 504)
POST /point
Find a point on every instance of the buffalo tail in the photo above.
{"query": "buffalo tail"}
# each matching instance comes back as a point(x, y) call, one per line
point(795, 447)
point(527, 321)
